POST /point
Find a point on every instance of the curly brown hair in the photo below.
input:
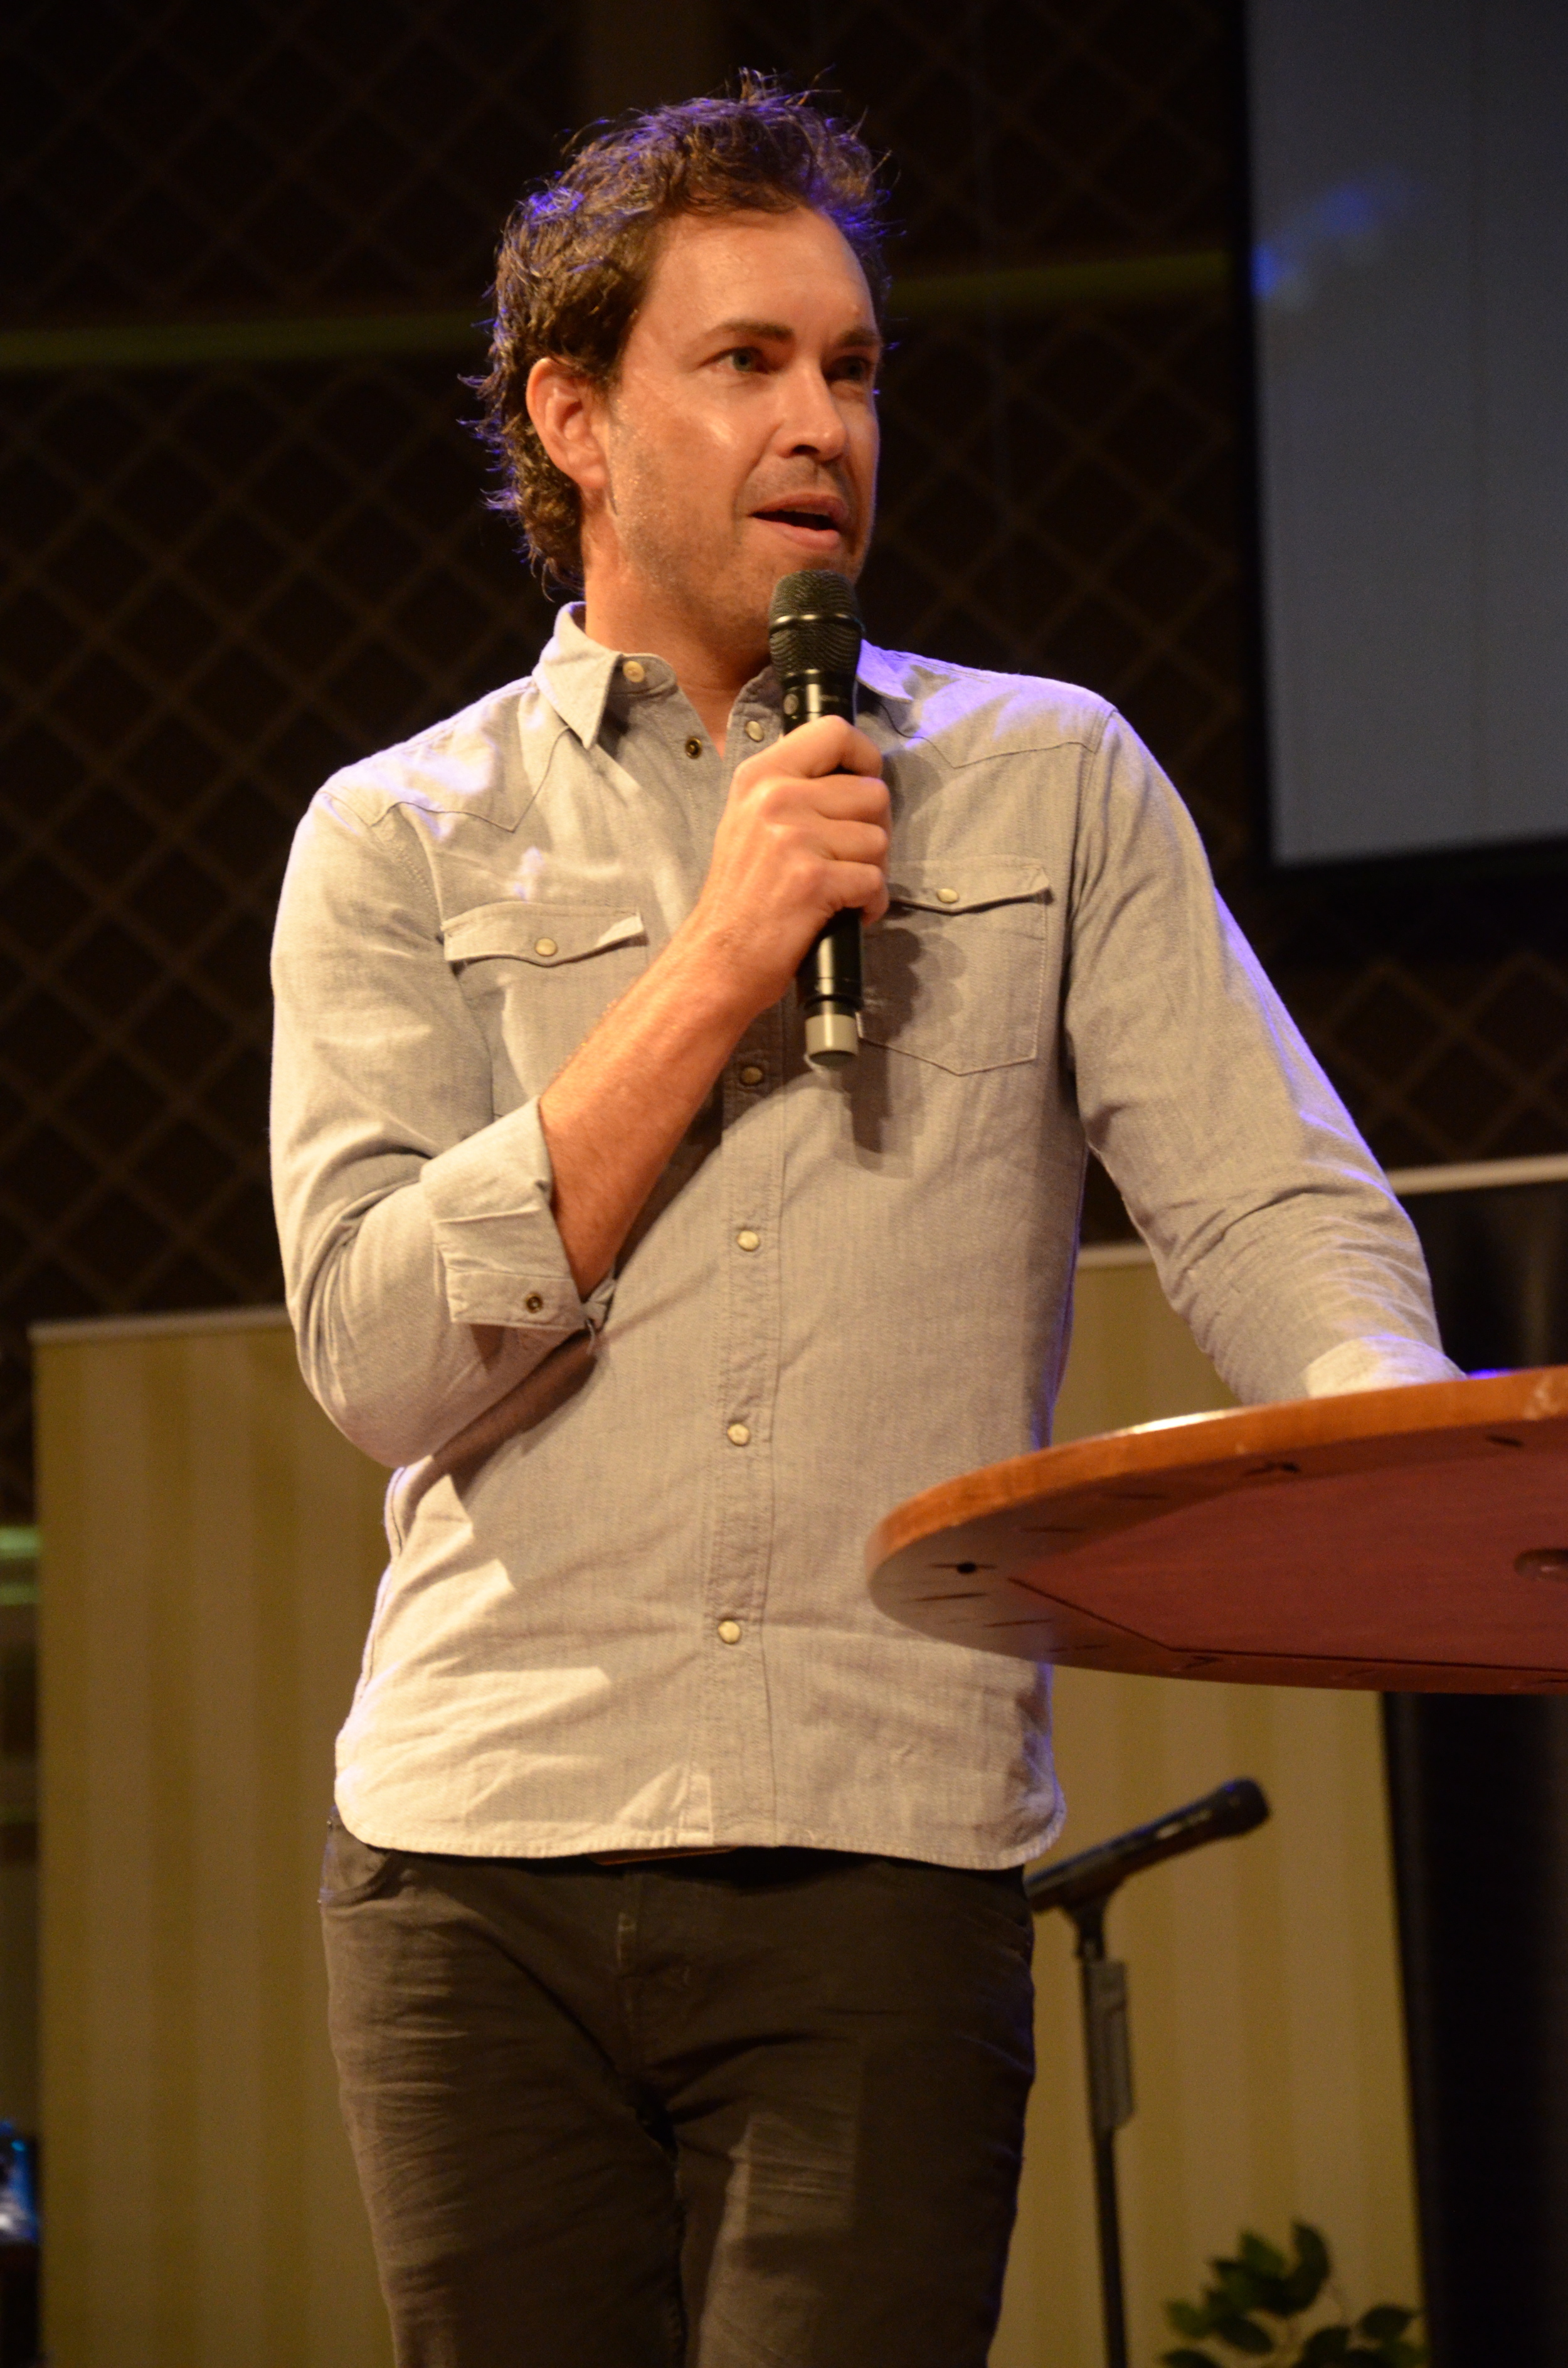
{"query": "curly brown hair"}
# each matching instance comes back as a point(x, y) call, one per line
point(577, 253)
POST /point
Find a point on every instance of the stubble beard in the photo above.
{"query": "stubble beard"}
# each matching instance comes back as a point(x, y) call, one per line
point(721, 593)
point(706, 588)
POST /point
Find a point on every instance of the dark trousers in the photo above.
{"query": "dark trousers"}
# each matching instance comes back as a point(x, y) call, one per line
point(757, 2111)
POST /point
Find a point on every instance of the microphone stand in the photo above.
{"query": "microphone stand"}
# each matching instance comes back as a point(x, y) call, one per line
point(1102, 1983)
point(1083, 1887)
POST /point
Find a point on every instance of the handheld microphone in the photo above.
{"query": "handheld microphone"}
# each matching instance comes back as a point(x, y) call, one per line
point(814, 639)
point(1234, 1808)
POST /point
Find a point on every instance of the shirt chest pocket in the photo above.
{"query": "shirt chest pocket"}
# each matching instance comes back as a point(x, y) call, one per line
point(536, 978)
point(956, 973)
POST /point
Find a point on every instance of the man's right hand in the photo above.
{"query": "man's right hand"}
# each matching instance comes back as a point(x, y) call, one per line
point(803, 836)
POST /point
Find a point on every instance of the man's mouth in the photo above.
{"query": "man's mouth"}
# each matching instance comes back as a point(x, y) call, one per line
point(818, 518)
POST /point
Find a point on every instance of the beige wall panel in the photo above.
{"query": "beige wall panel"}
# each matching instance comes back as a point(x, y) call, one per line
point(1132, 1358)
point(211, 1551)
point(1267, 2042)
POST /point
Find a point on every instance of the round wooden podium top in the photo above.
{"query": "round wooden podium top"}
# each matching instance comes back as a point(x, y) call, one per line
point(1413, 1540)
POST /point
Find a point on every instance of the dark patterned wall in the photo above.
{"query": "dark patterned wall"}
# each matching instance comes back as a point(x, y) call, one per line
point(166, 159)
point(226, 577)
point(224, 580)
point(236, 582)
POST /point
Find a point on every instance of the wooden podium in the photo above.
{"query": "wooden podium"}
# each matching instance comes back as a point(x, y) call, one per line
point(1409, 1540)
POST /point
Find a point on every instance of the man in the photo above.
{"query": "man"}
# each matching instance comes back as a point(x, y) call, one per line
point(679, 1949)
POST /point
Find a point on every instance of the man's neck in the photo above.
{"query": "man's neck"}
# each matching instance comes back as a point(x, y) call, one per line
point(711, 679)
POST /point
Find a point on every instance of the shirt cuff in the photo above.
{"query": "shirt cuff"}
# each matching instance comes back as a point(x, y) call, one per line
point(1383, 1360)
point(495, 1234)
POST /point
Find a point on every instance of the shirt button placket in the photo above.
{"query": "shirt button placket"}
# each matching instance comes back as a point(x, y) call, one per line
point(735, 1591)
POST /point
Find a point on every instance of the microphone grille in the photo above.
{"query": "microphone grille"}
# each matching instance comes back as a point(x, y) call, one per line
point(814, 624)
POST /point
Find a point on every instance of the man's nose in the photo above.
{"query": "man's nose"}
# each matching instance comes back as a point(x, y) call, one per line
point(812, 422)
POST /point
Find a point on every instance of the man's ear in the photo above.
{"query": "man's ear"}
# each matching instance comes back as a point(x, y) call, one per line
point(566, 411)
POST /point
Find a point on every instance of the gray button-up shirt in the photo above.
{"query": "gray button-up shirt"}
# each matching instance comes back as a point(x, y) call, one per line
point(625, 1608)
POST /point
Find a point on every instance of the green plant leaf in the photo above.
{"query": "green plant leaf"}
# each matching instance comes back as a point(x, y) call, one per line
point(1256, 2280)
point(1310, 2274)
point(1244, 2335)
point(1260, 2257)
point(1312, 2248)
point(1384, 2322)
point(1238, 2289)
point(1259, 2279)
point(1328, 2343)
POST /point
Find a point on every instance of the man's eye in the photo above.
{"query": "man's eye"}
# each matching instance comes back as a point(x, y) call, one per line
point(745, 357)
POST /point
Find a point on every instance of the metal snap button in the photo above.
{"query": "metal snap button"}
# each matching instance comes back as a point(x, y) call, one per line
point(729, 1631)
point(546, 946)
point(694, 746)
point(738, 1435)
point(947, 896)
point(746, 1240)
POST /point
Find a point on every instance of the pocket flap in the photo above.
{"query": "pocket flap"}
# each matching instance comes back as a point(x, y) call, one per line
point(963, 883)
point(545, 935)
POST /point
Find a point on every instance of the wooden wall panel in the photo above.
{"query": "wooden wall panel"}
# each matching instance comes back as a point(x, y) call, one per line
point(210, 1551)
point(211, 1548)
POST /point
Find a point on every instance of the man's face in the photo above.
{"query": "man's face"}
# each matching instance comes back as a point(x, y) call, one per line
point(740, 435)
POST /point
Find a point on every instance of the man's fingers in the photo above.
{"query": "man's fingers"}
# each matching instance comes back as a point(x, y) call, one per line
point(840, 797)
point(805, 835)
point(863, 885)
point(829, 745)
point(852, 842)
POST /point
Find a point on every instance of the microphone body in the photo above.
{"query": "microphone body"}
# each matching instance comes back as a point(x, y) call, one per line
point(1234, 1808)
point(814, 639)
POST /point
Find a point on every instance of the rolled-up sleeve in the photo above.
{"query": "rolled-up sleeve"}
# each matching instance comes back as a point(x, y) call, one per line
point(1274, 1232)
point(425, 1276)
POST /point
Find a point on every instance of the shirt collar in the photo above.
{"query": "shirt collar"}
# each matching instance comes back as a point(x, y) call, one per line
point(877, 672)
point(576, 675)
